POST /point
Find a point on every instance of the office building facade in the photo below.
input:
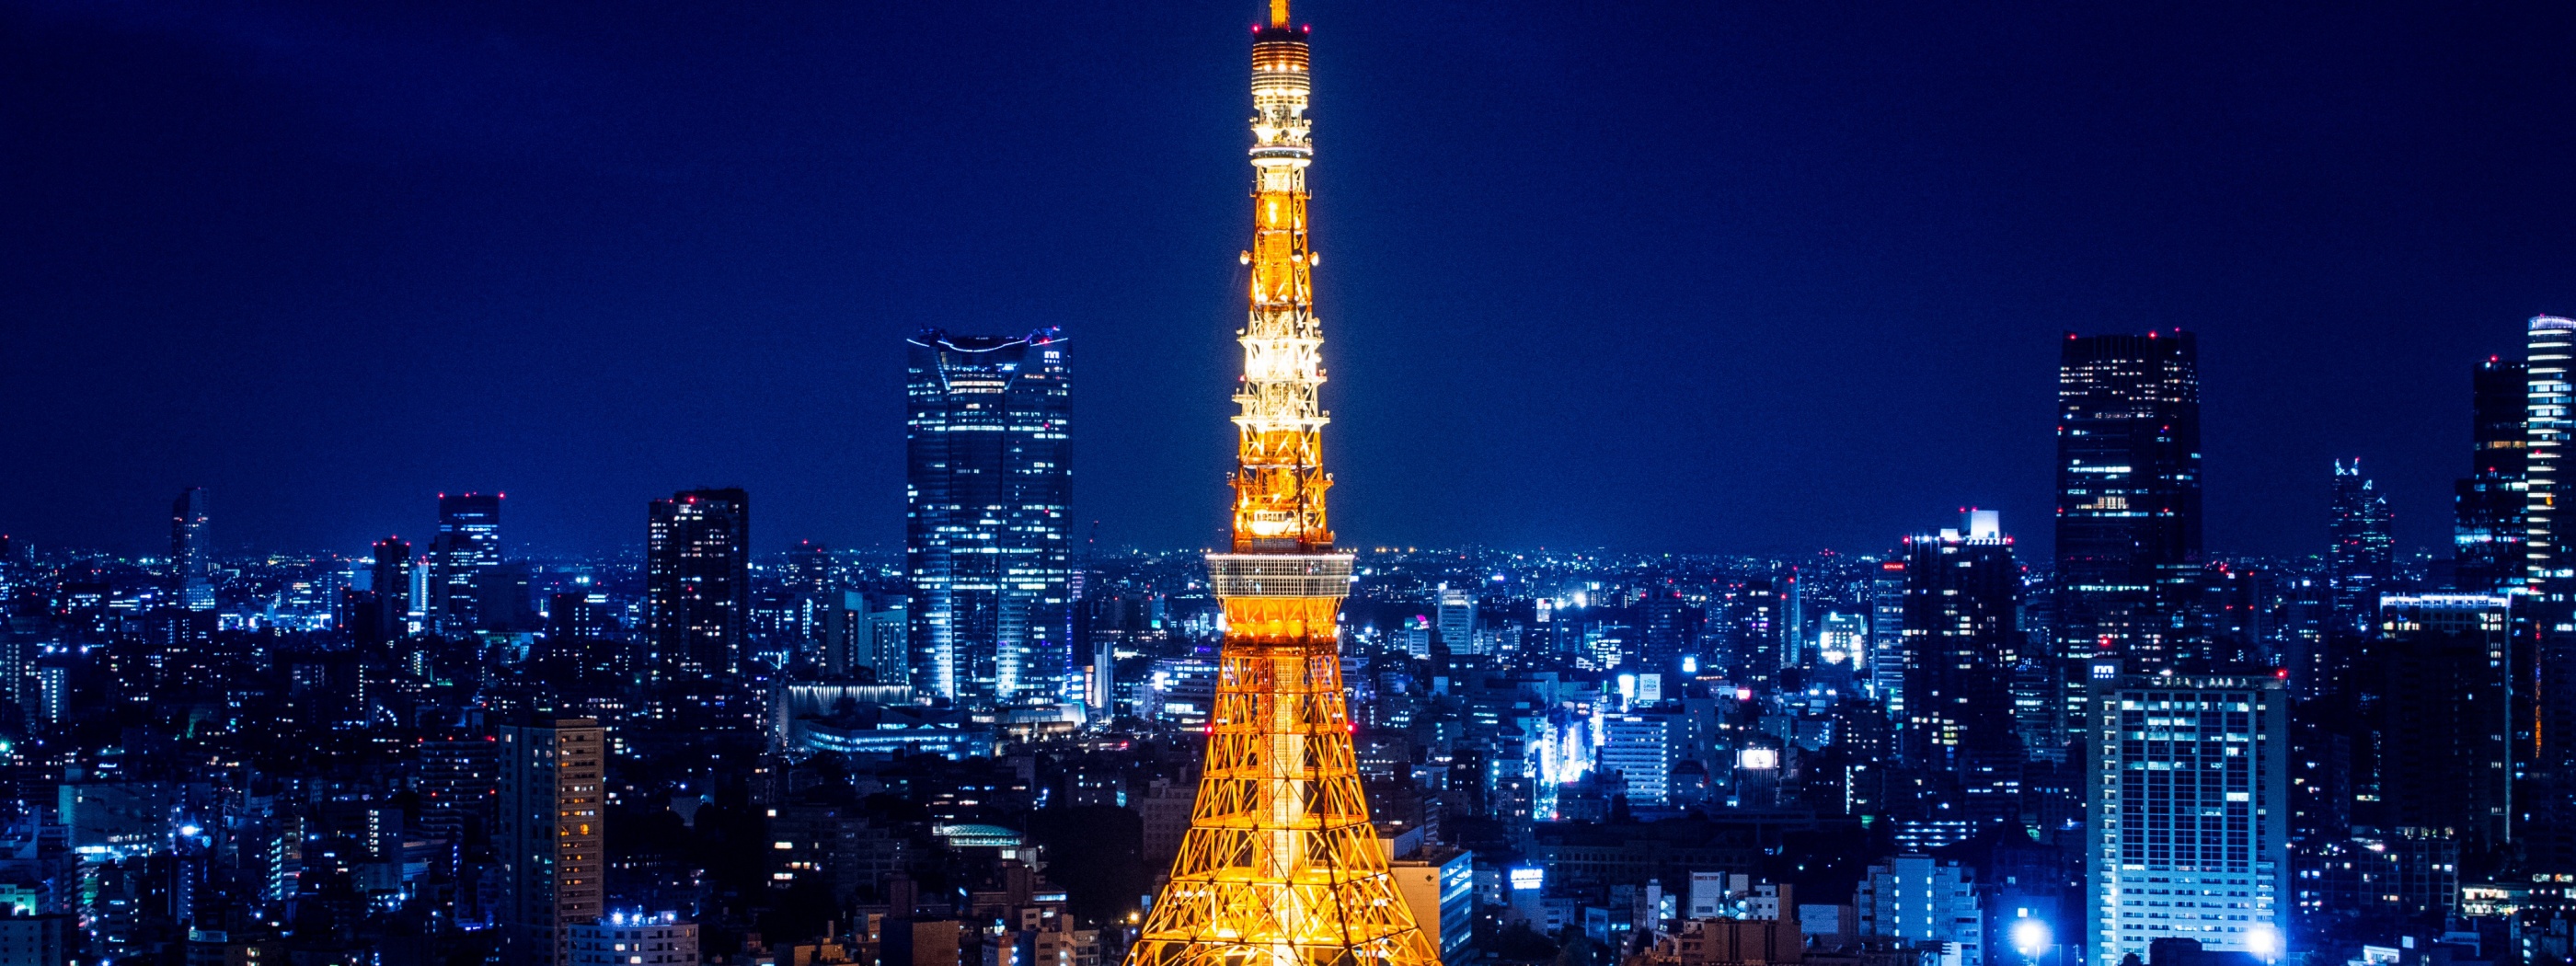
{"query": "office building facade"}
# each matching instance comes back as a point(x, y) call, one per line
point(2444, 709)
point(1962, 640)
point(988, 480)
point(2129, 497)
point(697, 579)
point(2361, 553)
point(1887, 636)
point(2488, 532)
point(2187, 833)
point(465, 564)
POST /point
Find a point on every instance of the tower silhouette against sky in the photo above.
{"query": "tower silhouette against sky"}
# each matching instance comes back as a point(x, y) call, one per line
point(1280, 866)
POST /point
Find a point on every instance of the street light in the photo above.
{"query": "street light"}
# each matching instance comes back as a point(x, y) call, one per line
point(2263, 941)
point(2031, 936)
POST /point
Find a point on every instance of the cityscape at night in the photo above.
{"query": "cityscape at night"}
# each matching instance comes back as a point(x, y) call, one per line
point(2224, 619)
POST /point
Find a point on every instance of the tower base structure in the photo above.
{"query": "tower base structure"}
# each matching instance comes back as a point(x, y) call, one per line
point(1280, 866)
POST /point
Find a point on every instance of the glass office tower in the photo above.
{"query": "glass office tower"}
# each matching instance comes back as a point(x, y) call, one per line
point(988, 481)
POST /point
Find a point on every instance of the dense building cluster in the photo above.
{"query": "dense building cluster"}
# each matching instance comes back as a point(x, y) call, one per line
point(1939, 752)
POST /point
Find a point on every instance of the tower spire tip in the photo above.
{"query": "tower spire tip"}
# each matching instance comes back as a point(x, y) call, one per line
point(1278, 13)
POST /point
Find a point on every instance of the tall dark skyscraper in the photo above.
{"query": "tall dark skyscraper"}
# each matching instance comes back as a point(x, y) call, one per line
point(192, 566)
point(2128, 497)
point(988, 451)
point(2488, 532)
point(2547, 349)
point(1750, 642)
point(1962, 639)
point(465, 563)
point(698, 579)
point(2361, 550)
point(392, 579)
point(2444, 713)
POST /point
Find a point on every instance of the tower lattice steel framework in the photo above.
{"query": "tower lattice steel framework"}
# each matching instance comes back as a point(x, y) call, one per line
point(1280, 866)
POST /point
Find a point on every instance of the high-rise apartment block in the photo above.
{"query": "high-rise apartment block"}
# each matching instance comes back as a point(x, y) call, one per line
point(465, 564)
point(2128, 496)
point(549, 836)
point(2188, 812)
point(1643, 748)
point(192, 566)
point(639, 940)
point(1922, 899)
point(988, 449)
point(2488, 533)
point(697, 579)
point(2549, 345)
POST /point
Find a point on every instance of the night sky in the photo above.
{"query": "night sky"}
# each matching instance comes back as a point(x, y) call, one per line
point(1690, 277)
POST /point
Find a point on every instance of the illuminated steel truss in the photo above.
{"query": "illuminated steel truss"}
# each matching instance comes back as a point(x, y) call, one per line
point(1280, 866)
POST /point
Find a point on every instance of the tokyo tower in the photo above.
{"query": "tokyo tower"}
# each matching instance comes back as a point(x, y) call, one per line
point(1280, 866)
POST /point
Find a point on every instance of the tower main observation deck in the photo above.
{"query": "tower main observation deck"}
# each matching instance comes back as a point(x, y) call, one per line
point(1280, 866)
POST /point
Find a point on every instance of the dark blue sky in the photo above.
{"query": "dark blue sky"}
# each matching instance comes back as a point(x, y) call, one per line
point(1705, 276)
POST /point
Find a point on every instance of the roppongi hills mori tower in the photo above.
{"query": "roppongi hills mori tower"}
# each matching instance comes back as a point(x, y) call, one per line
point(1280, 866)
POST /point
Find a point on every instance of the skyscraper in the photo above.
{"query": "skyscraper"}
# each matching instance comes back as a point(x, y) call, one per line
point(1962, 640)
point(2547, 348)
point(1751, 641)
point(1887, 636)
point(390, 575)
point(1280, 865)
point(697, 579)
point(2128, 496)
point(192, 567)
point(2361, 552)
point(989, 450)
point(465, 561)
point(2188, 818)
point(2489, 533)
point(2444, 708)
point(549, 835)
point(392, 582)
point(1458, 620)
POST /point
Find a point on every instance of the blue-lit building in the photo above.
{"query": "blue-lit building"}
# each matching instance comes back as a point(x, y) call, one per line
point(988, 449)
point(2188, 834)
point(465, 564)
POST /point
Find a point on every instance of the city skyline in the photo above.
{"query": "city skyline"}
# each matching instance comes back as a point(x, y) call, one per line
point(2342, 316)
point(2209, 717)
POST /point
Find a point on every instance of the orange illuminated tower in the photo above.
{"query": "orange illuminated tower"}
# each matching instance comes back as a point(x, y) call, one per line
point(1280, 866)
